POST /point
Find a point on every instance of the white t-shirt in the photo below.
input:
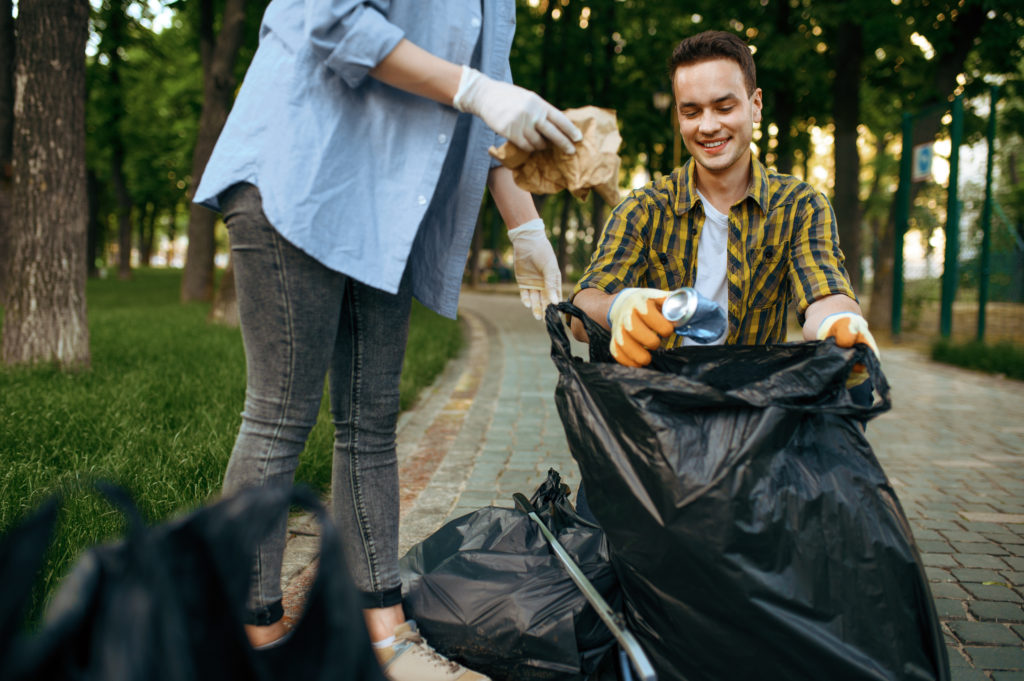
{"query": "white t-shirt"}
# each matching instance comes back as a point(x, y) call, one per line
point(712, 261)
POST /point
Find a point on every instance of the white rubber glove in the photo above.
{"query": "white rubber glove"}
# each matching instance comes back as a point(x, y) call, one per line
point(536, 268)
point(515, 113)
point(637, 325)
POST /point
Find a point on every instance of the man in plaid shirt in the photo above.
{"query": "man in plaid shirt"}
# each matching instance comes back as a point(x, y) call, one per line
point(742, 235)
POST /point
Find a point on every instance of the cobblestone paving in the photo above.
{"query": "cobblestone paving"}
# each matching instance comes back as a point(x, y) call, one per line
point(953, 446)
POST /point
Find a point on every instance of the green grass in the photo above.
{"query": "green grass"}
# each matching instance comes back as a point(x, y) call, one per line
point(999, 358)
point(157, 413)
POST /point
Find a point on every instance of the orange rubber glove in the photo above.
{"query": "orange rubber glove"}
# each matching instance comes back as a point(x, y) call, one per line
point(637, 325)
point(849, 329)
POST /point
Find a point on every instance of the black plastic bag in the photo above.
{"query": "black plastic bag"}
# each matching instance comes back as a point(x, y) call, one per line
point(22, 551)
point(753, 530)
point(486, 590)
point(167, 603)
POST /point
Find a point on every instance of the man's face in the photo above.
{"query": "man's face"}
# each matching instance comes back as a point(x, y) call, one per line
point(716, 115)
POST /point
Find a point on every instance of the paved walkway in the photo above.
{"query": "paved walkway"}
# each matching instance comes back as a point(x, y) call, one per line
point(953, 446)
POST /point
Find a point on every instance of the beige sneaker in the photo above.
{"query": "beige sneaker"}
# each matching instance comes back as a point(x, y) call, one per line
point(411, 659)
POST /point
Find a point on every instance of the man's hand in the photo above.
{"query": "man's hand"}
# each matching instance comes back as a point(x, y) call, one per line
point(515, 113)
point(637, 325)
point(849, 329)
point(536, 268)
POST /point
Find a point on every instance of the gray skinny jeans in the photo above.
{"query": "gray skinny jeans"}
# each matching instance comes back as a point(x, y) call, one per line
point(301, 322)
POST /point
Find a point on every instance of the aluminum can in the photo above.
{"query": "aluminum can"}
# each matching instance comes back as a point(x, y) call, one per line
point(695, 316)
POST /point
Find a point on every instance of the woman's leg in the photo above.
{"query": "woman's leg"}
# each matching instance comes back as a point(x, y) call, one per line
point(288, 305)
point(365, 372)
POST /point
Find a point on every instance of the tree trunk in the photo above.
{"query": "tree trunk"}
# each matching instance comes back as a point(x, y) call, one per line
point(784, 108)
point(546, 49)
point(124, 227)
point(6, 128)
point(225, 304)
point(597, 220)
point(783, 114)
point(117, 35)
point(218, 55)
point(45, 318)
point(846, 115)
point(94, 237)
point(563, 227)
point(147, 231)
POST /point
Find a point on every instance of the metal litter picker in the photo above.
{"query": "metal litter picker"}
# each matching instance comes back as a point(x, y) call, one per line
point(631, 655)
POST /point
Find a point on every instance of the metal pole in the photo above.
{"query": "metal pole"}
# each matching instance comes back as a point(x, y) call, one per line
point(901, 223)
point(950, 269)
point(986, 216)
point(611, 619)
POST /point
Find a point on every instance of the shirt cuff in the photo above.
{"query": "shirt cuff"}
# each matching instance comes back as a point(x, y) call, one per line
point(361, 45)
point(600, 281)
point(821, 292)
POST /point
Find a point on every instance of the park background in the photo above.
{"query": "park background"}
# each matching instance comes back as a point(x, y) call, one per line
point(118, 306)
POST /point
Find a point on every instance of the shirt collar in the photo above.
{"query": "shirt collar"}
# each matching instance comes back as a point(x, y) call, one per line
point(685, 179)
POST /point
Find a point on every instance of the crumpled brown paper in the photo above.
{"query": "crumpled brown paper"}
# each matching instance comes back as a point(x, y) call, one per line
point(595, 165)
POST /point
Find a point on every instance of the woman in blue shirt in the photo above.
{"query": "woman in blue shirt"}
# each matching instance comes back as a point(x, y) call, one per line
point(350, 173)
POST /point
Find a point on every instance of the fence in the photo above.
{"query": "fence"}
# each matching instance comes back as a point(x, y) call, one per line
point(967, 280)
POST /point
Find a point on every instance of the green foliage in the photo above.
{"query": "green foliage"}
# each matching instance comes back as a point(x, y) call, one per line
point(152, 107)
point(158, 413)
point(1001, 358)
point(433, 340)
point(146, 90)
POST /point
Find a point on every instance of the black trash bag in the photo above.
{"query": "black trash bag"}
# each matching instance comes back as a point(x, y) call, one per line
point(329, 642)
point(22, 552)
point(167, 603)
point(753, 530)
point(487, 591)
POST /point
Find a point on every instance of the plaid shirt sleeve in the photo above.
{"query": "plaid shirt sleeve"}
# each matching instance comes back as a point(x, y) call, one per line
point(817, 262)
point(620, 259)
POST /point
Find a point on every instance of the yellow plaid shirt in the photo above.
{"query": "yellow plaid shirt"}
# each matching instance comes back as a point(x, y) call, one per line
point(782, 244)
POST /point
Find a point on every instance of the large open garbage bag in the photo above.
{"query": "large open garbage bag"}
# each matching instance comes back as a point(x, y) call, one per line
point(166, 603)
point(753, 530)
point(486, 590)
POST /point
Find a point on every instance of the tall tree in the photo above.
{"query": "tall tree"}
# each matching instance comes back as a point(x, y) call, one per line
point(113, 45)
point(848, 51)
point(45, 317)
point(6, 130)
point(219, 52)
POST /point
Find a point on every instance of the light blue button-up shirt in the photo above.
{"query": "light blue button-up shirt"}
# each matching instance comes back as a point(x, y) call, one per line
point(367, 179)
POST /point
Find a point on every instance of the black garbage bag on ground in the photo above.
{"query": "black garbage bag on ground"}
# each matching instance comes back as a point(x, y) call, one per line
point(753, 530)
point(166, 604)
point(486, 590)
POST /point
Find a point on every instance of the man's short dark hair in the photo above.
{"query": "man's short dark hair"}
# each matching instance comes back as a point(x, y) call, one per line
point(715, 45)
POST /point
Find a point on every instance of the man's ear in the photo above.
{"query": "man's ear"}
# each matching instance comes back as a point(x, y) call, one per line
point(756, 103)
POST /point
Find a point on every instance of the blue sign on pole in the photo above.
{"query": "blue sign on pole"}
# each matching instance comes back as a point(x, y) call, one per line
point(922, 165)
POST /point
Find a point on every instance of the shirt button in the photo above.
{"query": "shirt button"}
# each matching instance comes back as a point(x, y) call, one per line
point(442, 138)
point(421, 199)
point(474, 22)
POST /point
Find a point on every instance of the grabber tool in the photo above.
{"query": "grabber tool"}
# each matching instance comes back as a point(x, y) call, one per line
point(630, 652)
